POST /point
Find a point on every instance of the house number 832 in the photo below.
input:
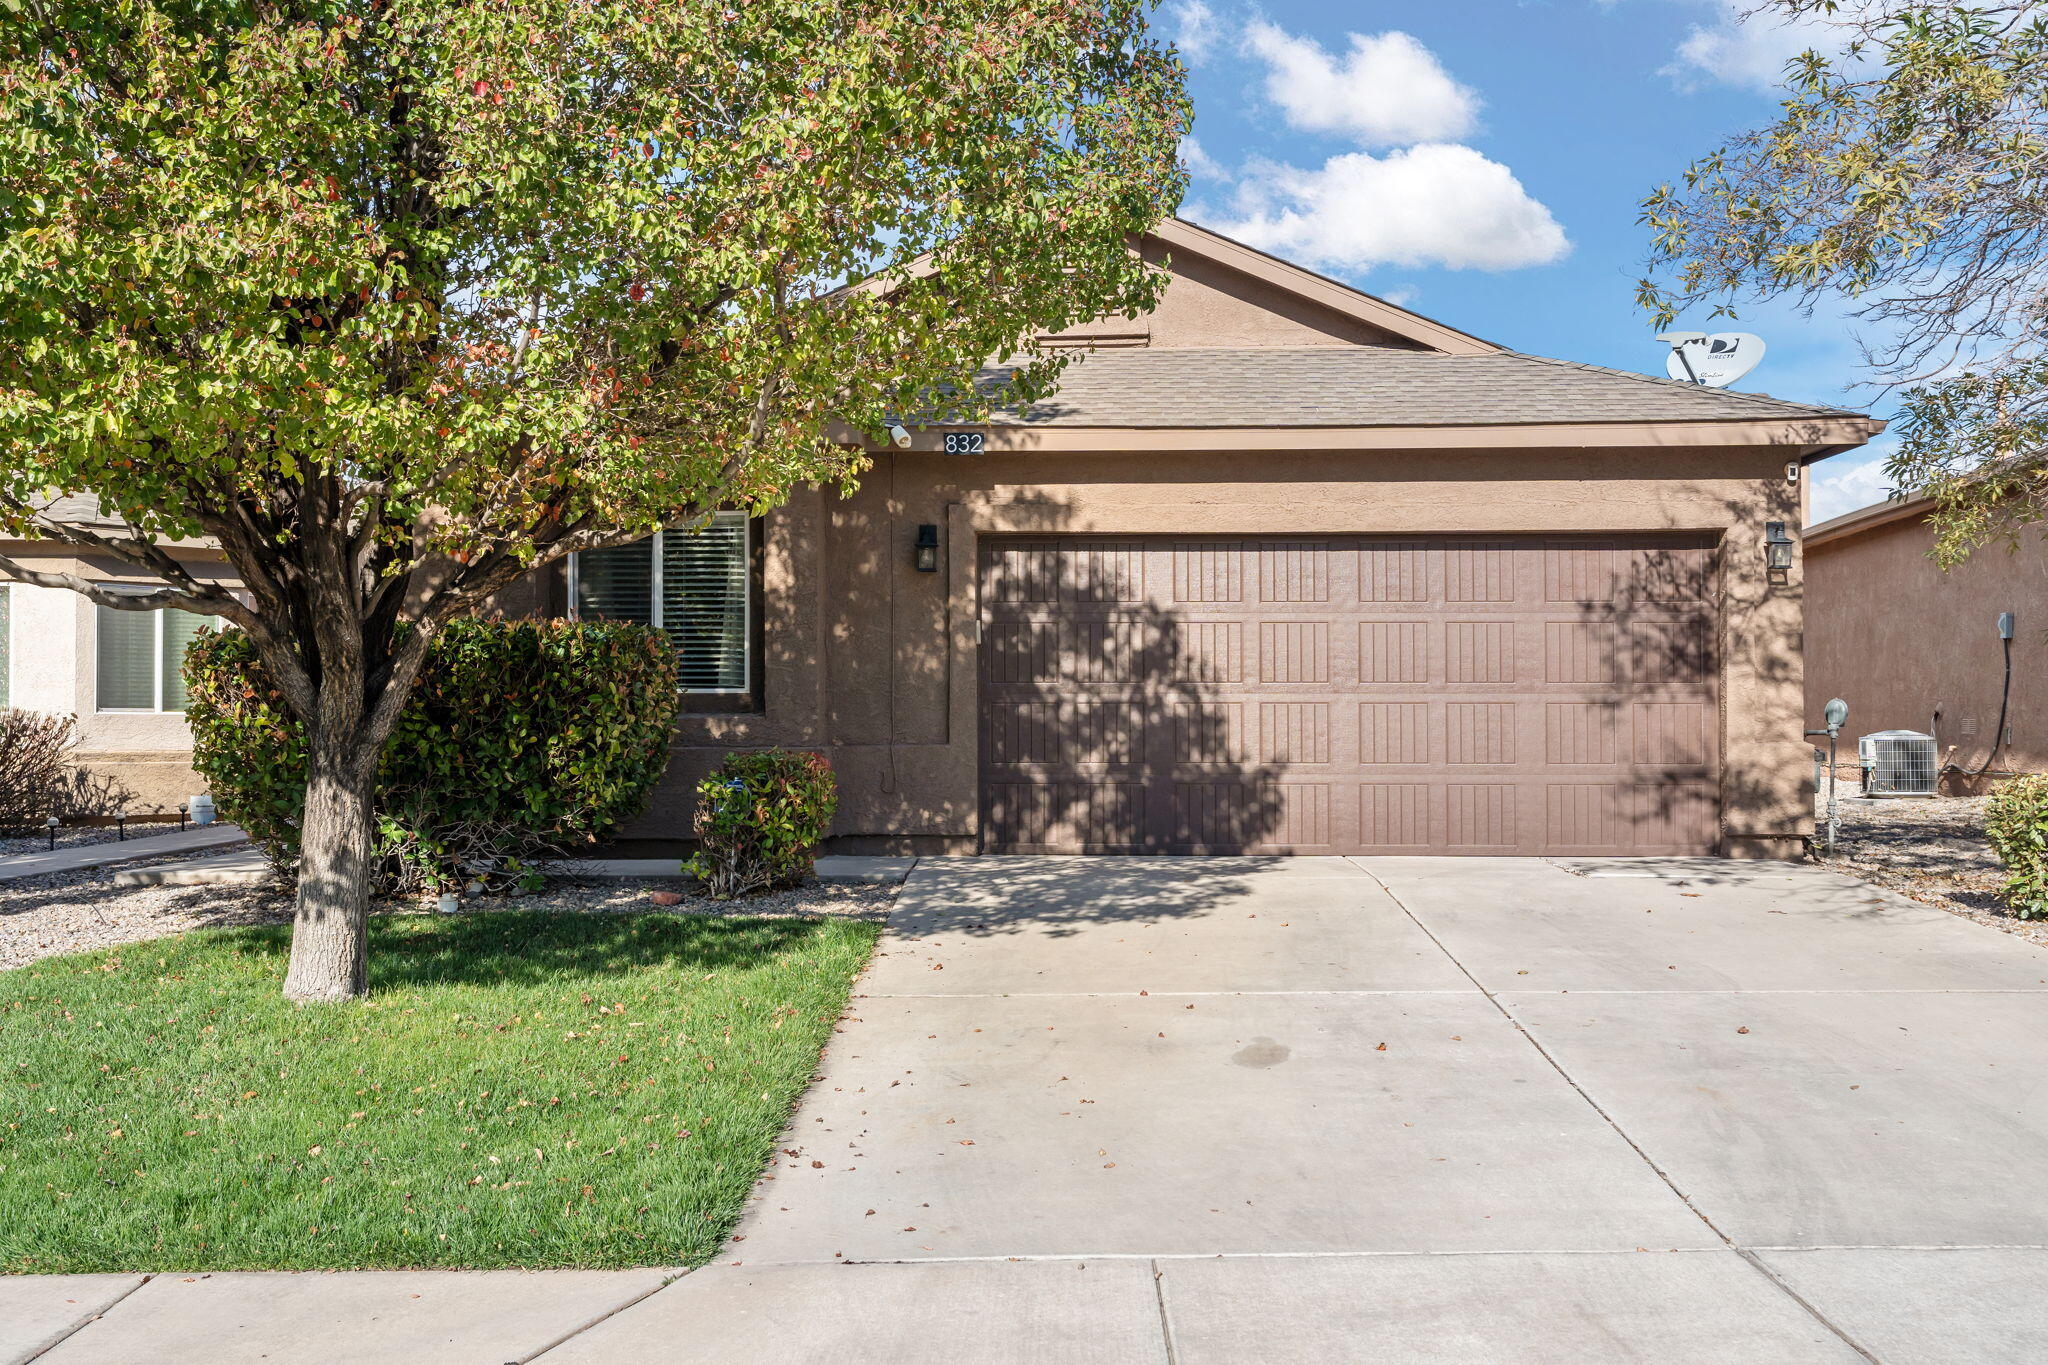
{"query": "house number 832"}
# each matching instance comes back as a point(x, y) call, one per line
point(963, 443)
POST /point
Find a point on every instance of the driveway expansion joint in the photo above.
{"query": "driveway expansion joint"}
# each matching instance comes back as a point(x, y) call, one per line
point(1165, 1317)
point(600, 1319)
point(54, 1342)
point(1748, 1257)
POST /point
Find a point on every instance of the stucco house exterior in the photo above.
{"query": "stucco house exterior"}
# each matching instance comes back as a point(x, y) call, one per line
point(1911, 647)
point(117, 672)
point(1282, 567)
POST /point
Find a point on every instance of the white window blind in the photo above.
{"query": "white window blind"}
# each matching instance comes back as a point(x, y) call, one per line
point(141, 663)
point(692, 585)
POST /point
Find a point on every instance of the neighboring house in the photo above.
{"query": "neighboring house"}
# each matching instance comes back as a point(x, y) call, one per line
point(1911, 647)
point(1281, 567)
point(117, 671)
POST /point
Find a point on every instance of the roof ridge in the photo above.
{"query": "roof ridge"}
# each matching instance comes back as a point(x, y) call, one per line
point(1667, 382)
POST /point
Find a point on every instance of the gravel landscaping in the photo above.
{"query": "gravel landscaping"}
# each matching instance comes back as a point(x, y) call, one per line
point(1931, 849)
point(69, 912)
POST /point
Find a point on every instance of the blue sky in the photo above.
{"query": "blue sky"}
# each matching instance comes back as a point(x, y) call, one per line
point(1482, 161)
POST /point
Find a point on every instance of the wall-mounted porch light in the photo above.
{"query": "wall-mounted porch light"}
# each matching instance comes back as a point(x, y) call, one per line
point(924, 557)
point(1777, 549)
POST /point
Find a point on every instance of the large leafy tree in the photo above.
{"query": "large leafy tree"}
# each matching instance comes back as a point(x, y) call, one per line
point(397, 300)
point(1908, 170)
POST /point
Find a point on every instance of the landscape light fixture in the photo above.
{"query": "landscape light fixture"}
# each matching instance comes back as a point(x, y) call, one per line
point(924, 557)
point(1777, 549)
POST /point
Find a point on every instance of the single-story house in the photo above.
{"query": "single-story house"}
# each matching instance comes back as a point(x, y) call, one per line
point(1911, 647)
point(1282, 567)
point(118, 672)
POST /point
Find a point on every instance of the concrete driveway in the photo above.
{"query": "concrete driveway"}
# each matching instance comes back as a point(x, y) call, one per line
point(1229, 1110)
point(1306, 1110)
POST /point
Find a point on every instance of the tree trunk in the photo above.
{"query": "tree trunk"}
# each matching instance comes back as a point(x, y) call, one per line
point(329, 948)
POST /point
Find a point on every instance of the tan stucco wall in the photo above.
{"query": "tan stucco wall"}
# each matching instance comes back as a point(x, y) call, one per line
point(874, 663)
point(54, 651)
point(1897, 638)
point(1210, 305)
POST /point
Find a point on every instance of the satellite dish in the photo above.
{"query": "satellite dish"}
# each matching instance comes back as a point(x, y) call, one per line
point(1715, 360)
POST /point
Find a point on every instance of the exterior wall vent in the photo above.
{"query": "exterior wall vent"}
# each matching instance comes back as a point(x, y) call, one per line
point(1897, 763)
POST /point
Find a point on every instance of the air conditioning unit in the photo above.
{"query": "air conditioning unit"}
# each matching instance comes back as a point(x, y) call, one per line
point(1898, 763)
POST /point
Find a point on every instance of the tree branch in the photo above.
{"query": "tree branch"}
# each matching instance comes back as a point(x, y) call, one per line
point(105, 594)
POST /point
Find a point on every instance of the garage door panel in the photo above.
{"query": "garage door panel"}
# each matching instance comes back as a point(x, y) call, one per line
point(1395, 571)
point(1324, 694)
point(1394, 651)
point(1208, 571)
point(1294, 572)
point(1480, 652)
point(1394, 734)
point(1058, 814)
point(1582, 733)
point(1399, 817)
point(1585, 817)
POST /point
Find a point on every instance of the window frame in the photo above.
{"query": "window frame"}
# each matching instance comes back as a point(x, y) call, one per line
point(749, 563)
point(156, 652)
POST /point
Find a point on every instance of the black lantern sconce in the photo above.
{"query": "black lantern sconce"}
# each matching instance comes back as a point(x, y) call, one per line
point(1777, 551)
point(924, 557)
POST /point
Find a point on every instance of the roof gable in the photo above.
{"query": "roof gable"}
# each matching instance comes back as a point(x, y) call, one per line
point(1314, 303)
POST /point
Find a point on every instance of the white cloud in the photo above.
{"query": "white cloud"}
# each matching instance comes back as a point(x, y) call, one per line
point(1749, 52)
point(1401, 296)
point(1386, 91)
point(1201, 166)
point(1428, 205)
point(1195, 29)
point(1847, 482)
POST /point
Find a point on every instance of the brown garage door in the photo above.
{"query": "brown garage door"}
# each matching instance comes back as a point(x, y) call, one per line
point(1348, 695)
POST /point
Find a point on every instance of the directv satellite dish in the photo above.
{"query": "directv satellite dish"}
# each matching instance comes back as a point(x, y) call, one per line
point(1716, 360)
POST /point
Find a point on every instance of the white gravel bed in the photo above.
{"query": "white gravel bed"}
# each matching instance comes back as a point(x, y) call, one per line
point(1929, 848)
point(71, 912)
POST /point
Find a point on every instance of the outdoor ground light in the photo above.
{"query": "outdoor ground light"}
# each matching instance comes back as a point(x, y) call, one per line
point(1777, 548)
point(50, 826)
point(925, 556)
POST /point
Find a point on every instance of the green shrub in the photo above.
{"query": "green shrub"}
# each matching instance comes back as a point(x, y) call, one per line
point(2016, 823)
point(521, 740)
point(759, 819)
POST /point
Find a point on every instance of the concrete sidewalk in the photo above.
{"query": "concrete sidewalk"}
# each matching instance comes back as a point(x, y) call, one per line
point(1286, 1111)
point(119, 851)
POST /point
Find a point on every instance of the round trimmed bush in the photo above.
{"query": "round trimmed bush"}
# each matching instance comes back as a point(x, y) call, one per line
point(760, 816)
point(521, 741)
point(2016, 823)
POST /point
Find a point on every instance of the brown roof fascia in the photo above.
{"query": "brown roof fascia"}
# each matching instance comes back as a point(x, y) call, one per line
point(1865, 519)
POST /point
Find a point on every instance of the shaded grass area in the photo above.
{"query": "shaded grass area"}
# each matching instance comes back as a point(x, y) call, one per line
point(519, 1090)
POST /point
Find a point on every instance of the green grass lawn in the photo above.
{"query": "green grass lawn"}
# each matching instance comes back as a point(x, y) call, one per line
point(519, 1090)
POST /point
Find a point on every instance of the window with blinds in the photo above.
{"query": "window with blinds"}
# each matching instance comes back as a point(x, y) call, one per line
point(141, 658)
point(6, 643)
point(692, 584)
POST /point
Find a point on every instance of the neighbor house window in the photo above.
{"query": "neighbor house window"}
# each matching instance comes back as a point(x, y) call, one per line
point(692, 585)
point(6, 643)
point(142, 658)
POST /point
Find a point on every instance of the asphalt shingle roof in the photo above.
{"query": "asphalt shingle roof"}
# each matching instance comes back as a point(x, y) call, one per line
point(80, 509)
point(1369, 386)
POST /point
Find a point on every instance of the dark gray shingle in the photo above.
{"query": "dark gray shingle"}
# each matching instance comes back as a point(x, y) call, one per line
point(1369, 386)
